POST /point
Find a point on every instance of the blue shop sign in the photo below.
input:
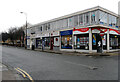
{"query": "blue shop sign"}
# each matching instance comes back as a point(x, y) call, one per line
point(28, 37)
point(68, 32)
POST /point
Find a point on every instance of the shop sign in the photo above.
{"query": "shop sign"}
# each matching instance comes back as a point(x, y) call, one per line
point(113, 31)
point(68, 32)
point(55, 33)
point(98, 30)
point(28, 37)
point(81, 31)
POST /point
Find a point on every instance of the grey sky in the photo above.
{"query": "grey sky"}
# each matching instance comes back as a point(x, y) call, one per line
point(42, 10)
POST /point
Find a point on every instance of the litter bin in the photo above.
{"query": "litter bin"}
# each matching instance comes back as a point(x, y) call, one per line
point(33, 47)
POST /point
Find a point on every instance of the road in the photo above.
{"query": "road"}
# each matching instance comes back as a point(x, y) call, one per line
point(49, 66)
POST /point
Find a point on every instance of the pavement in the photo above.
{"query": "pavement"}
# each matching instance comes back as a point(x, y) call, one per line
point(111, 53)
point(8, 73)
point(81, 53)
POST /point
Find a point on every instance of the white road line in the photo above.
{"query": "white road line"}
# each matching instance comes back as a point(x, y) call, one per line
point(83, 65)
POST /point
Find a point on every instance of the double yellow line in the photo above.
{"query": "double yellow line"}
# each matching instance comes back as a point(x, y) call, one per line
point(24, 73)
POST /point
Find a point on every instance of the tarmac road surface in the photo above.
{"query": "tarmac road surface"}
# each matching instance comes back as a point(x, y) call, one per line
point(49, 66)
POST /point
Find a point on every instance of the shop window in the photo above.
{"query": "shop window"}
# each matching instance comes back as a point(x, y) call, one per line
point(47, 42)
point(66, 42)
point(38, 43)
point(94, 39)
point(113, 41)
point(82, 41)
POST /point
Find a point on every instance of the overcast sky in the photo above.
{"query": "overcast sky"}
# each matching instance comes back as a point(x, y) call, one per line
point(43, 10)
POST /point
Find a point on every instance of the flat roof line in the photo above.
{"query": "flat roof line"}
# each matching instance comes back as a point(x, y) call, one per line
point(77, 13)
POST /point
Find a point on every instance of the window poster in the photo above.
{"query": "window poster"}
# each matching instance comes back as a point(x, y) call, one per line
point(82, 41)
point(104, 40)
point(78, 42)
point(94, 39)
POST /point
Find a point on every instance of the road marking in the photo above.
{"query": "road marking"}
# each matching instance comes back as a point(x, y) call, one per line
point(87, 66)
point(21, 72)
point(26, 74)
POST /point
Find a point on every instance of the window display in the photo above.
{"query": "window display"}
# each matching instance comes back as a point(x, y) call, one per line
point(114, 41)
point(82, 41)
point(66, 42)
point(94, 39)
point(47, 42)
point(38, 43)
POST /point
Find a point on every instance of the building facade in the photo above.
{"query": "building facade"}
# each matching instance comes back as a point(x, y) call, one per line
point(80, 31)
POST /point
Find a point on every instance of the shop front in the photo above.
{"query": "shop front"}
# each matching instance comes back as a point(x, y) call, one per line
point(39, 43)
point(66, 39)
point(55, 41)
point(97, 39)
point(81, 38)
point(46, 42)
point(114, 39)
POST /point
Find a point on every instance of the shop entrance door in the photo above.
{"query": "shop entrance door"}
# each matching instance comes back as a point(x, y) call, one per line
point(97, 40)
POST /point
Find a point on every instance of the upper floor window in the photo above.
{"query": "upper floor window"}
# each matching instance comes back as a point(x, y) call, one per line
point(54, 24)
point(43, 26)
point(81, 19)
point(40, 28)
point(65, 23)
point(94, 17)
point(71, 21)
point(48, 26)
point(51, 25)
point(60, 23)
point(112, 20)
point(75, 20)
point(102, 17)
point(86, 18)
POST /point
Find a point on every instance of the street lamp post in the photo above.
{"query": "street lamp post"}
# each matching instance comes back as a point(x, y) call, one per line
point(25, 29)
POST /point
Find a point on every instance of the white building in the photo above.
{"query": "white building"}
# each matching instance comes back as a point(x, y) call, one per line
point(79, 31)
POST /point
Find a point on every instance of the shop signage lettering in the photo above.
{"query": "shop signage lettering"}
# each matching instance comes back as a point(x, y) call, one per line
point(81, 30)
point(113, 31)
point(98, 30)
point(68, 32)
point(28, 37)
